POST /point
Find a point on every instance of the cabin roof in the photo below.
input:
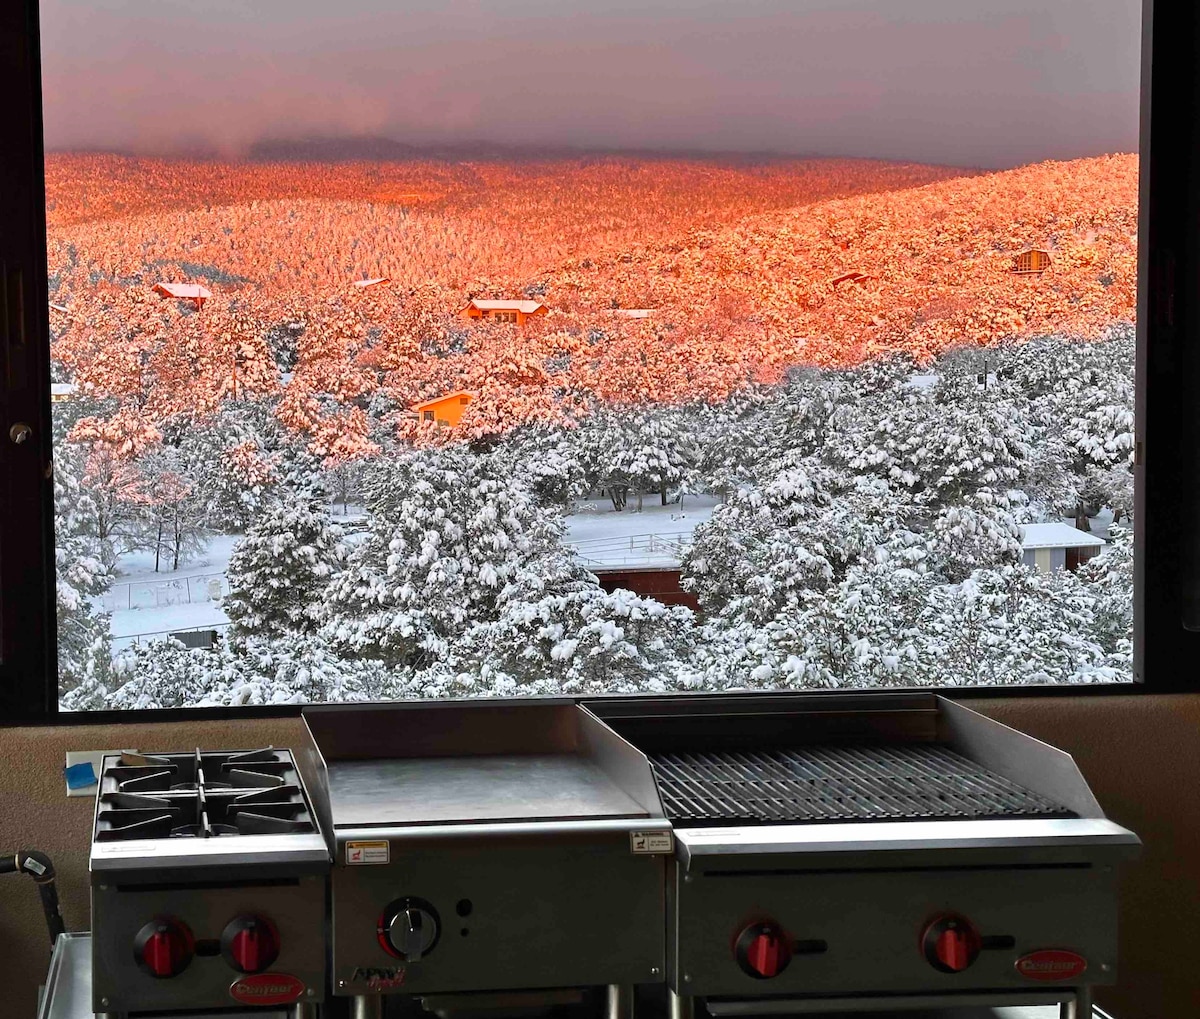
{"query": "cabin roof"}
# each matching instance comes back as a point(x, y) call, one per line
point(374, 281)
point(189, 291)
point(525, 307)
point(442, 399)
point(1057, 535)
point(634, 312)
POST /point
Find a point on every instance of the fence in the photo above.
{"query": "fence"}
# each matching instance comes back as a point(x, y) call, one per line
point(634, 549)
point(154, 594)
point(134, 639)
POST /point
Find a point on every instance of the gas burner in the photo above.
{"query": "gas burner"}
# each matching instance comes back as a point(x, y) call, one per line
point(203, 831)
point(201, 795)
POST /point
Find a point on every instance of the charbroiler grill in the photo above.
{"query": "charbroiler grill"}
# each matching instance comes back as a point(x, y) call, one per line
point(208, 877)
point(482, 849)
point(895, 852)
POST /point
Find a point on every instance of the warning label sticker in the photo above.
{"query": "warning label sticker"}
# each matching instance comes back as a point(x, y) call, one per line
point(365, 853)
point(651, 842)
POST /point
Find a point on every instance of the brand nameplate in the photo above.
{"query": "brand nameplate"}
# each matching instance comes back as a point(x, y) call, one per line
point(267, 989)
point(1051, 964)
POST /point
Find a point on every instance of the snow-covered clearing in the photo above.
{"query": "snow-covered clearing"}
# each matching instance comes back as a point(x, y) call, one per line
point(144, 604)
point(654, 536)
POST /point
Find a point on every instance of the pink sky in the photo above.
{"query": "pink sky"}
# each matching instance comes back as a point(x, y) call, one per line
point(965, 82)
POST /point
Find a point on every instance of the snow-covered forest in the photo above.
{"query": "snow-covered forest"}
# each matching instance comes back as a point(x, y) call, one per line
point(868, 534)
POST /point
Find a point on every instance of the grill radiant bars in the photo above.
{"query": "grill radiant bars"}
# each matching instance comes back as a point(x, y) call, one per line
point(922, 782)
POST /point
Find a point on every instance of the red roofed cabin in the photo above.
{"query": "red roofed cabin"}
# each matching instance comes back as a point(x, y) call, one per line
point(185, 292)
point(504, 311)
point(1035, 260)
point(446, 410)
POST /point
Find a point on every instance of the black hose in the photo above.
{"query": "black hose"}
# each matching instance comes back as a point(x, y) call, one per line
point(38, 866)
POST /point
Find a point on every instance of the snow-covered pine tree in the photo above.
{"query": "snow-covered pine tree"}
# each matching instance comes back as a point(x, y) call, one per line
point(279, 572)
point(558, 631)
point(84, 646)
point(449, 532)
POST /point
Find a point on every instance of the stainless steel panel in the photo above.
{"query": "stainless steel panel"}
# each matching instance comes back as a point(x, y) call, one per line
point(872, 922)
point(459, 728)
point(295, 852)
point(970, 1007)
point(69, 986)
point(625, 763)
point(1082, 837)
point(68, 992)
point(297, 910)
point(570, 907)
point(1016, 756)
point(469, 790)
point(497, 829)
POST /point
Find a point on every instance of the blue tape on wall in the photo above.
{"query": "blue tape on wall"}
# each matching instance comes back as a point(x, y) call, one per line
point(80, 775)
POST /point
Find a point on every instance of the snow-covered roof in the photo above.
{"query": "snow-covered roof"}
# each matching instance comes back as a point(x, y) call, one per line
point(922, 381)
point(62, 388)
point(1056, 535)
point(633, 312)
point(442, 399)
point(57, 307)
point(375, 281)
point(184, 291)
point(524, 307)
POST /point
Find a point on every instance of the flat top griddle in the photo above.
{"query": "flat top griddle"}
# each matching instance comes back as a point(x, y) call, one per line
point(858, 782)
point(461, 790)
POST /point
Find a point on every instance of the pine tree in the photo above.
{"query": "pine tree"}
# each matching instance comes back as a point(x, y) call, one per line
point(279, 571)
point(84, 645)
point(449, 532)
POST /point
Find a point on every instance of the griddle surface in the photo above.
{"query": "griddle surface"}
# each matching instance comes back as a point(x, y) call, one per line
point(458, 790)
point(919, 781)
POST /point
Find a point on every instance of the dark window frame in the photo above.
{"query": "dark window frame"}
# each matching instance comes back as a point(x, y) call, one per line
point(1168, 385)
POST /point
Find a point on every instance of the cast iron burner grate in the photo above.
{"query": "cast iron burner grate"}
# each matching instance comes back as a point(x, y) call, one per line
point(920, 781)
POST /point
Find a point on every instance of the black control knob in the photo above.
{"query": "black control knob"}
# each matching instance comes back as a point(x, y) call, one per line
point(408, 929)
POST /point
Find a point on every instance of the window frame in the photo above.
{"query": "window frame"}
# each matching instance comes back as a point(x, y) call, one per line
point(1167, 377)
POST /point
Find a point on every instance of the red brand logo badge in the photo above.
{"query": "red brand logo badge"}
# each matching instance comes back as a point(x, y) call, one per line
point(267, 989)
point(1051, 964)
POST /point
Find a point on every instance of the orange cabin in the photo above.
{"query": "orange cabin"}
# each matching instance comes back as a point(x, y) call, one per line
point(504, 311)
point(446, 411)
point(1034, 260)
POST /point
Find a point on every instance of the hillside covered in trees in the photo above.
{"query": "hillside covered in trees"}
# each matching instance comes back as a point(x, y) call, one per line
point(868, 531)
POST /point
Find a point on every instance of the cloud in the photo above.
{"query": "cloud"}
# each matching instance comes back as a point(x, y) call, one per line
point(967, 82)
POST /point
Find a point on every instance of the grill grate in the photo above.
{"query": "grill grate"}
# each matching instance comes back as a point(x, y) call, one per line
point(920, 781)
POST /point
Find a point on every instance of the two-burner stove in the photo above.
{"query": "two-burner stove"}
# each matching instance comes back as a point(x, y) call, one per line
point(209, 874)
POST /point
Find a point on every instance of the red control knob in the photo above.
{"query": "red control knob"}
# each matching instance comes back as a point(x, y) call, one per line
point(163, 948)
point(951, 943)
point(763, 950)
point(250, 943)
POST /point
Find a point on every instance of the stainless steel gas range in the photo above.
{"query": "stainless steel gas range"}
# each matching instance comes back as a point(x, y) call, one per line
point(849, 854)
point(209, 875)
point(763, 855)
point(482, 848)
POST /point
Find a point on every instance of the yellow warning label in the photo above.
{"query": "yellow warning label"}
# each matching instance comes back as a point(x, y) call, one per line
point(365, 853)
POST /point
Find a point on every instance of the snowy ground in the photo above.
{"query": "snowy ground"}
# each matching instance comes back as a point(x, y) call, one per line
point(145, 605)
point(654, 537)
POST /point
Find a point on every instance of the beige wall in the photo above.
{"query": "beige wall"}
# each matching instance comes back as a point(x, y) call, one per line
point(1141, 754)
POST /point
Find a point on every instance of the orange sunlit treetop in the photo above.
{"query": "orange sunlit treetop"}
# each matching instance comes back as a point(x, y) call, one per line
point(749, 270)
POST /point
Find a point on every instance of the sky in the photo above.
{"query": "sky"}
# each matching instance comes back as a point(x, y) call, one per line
point(982, 83)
